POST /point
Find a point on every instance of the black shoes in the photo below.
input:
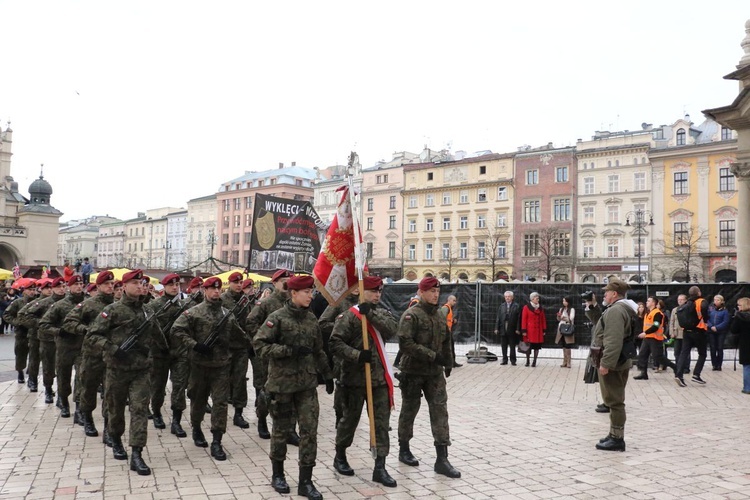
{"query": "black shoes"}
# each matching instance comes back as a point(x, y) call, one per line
point(602, 408)
point(698, 380)
point(88, 424)
point(137, 464)
point(176, 427)
point(641, 376)
point(199, 439)
point(306, 487)
point(208, 409)
point(442, 465)
point(263, 429)
point(457, 365)
point(504, 362)
point(217, 451)
point(278, 481)
point(65, 410)
point(33, 387)
point(405, 456)
point(49, 395)
point(611, 443)
point(293, 438)
point(21, 379)
point(118, 450)
point(159, 421)
point(238, 420)
point(380, 475)
point(340, 463)
point(680, 381)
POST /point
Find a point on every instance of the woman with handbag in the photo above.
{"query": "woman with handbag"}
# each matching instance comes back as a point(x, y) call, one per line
point(565, 337)
point(533, 325)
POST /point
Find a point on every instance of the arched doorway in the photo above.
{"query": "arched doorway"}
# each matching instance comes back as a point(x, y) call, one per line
point(726, 276)
point(463, 276)
point(481, 276)
point(8, 256)
point(502, 275)
point(411, 275)
point(589, 278)
point(681, 276)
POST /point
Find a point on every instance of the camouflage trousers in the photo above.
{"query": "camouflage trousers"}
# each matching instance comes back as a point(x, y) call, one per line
point(285, 410)
point(238, 378)
point(612, 386)
point(433, 387)
point(21, 349)
point(353, 400)
point(67, 358)
point(47, 354)
point(132, 387)
point(93, 373)
point(34, 357)
point(174, 368)
point(259, 381)
point(209, 381)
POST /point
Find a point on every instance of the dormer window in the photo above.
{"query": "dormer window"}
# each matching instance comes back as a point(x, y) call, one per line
point(681, 137)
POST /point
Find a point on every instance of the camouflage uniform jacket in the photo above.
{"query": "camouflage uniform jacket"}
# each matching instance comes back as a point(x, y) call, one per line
point(285, 329)
point(162, 343)
point(422, 333)
point(346, 344)
point(31, 313)
point(78, 321)
point(262, 309)
point(610, 332)
point(11, 313)
point(331, 314)
point(115, 324)
point(52, 321)
point(195, 325)
point(229, 299)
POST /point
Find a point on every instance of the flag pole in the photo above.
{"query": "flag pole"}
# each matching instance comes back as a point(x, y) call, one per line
point(359, 264)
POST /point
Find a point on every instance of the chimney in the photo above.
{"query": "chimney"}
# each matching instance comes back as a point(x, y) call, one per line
point(294, 163)
point(281, 164)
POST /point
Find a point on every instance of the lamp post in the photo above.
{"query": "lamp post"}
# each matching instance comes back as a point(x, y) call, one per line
point(211, 240)
point(639, 220)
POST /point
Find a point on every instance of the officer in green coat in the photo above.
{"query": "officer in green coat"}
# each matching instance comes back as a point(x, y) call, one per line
point(291, 343)
point(28, 317)
point(425, 344)
point(239, 346)
point(128, 367)
point(348, 349)
point(21, 342)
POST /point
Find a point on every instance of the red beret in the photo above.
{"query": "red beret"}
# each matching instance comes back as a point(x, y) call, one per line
point(118, 284)
point(170, 279)
point(247, 283)
point(104, 276)
point(44, 283)
point(76, 278)
point(22, 283)
point(91, 287)
point(281, 273)
point(428, 283)
point(195, 282)
point(235, 277)
point(146, 280)
point(373, 283)
point(300, 282)
point(59, 281)
point(135, 274)
point(212, 282)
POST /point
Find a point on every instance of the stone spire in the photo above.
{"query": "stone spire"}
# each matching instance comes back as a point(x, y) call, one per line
point(745, 46)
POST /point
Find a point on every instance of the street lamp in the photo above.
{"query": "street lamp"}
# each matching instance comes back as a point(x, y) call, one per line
point(639, 220)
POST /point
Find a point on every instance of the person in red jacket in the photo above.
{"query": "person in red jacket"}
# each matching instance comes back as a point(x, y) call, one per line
point(533, 325)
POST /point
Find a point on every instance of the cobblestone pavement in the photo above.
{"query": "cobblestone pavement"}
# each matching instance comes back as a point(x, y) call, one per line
point(517, 432)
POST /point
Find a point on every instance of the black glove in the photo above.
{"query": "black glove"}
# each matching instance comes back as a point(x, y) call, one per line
point(448, 372)
point(365, 357)
point(329, 386)
point(250, 352)
point(63, 334)
point(120, 355)
point(202, 349)
point(365, 307)
point(441, 360)
point(301, 351)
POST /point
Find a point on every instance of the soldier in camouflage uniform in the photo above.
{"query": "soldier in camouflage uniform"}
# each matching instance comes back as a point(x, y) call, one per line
point(118, 290)
point(239, 348)
point(68, 352)
point(170, 359)
point(348, 348)
point(21, 346)
point(291, 343)
point(29, 317)
point(128, 371)
point(425, 342)
point(93, 370)
point(30, 323)
point(262, 309)
point(209, 365)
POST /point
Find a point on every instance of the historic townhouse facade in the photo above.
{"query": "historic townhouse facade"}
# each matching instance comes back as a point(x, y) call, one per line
point(201, 232)
point(146, 239)
point(544, 207)
point(457, 216)
point(111, 245)
point(614, 185)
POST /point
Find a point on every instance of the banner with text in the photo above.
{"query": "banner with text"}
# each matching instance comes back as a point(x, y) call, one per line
point(286, 234)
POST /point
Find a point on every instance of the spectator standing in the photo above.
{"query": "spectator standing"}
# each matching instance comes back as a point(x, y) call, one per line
point(67, 271)
point(507, 327)
point(533, 325)
point(676, 332)
point(86, 270)
point(741, 328)
point(718, 327)
point(7, 298)
point(566, 316)
point(450, 318)
point(652, 338)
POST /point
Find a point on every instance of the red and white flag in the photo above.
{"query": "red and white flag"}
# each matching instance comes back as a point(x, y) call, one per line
point(377, 339)
point(335, 272)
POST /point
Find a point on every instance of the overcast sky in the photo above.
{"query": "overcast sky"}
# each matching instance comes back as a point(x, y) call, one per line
point(142, 104)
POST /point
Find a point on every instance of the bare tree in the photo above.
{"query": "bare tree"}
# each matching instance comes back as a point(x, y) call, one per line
point(682, 249)
point(496, 249)
point(554, 251)
point(449, 259)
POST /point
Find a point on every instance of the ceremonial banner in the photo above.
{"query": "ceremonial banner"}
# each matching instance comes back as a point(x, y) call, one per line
point(286, 235)
point(335, 273)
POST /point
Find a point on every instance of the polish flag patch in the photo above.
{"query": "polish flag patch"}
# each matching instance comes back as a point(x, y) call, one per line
point(104, 315)
point(269, 324)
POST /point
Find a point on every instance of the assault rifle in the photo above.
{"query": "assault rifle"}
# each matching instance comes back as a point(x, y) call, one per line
point(236, 311)
point(183, 308)
point(130, 342)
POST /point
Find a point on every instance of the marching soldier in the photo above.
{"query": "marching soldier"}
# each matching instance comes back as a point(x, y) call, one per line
point(209, 364)
point(21, 346)
point(29, 317)
point(239, 346)
point(291, 343)
point(68, 352)
point(118, 290)
point(93, 370)
point(30, 322)
point(425, 342)
point(128, 370)
point(263, 308)
point(348, 349)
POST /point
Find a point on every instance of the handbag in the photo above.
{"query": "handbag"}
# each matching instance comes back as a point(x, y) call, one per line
point(524, 347)
point(567, 328)
point(591, 373)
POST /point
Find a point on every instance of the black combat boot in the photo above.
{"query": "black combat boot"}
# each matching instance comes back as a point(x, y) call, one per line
point(58, 403)
point(404, 454)
point(77, 416)
point(263, 429)
point(380, 475)
point(216, 449)
point(611, 443)
point(118, 450)
point(238, 420)
point(442, 465)
point(49, 395)
point(137, 464)
point(88, 425)
point(306, 488)
point(278, 481)
point(33, 384)
point(21, 379)
point(208, 409)
point(198, 438)
point(159, 421)
point(293, 438)
point(642, 376)
point(106, 439)
point(176, 427)
point(64, 408)
point(340, 463)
